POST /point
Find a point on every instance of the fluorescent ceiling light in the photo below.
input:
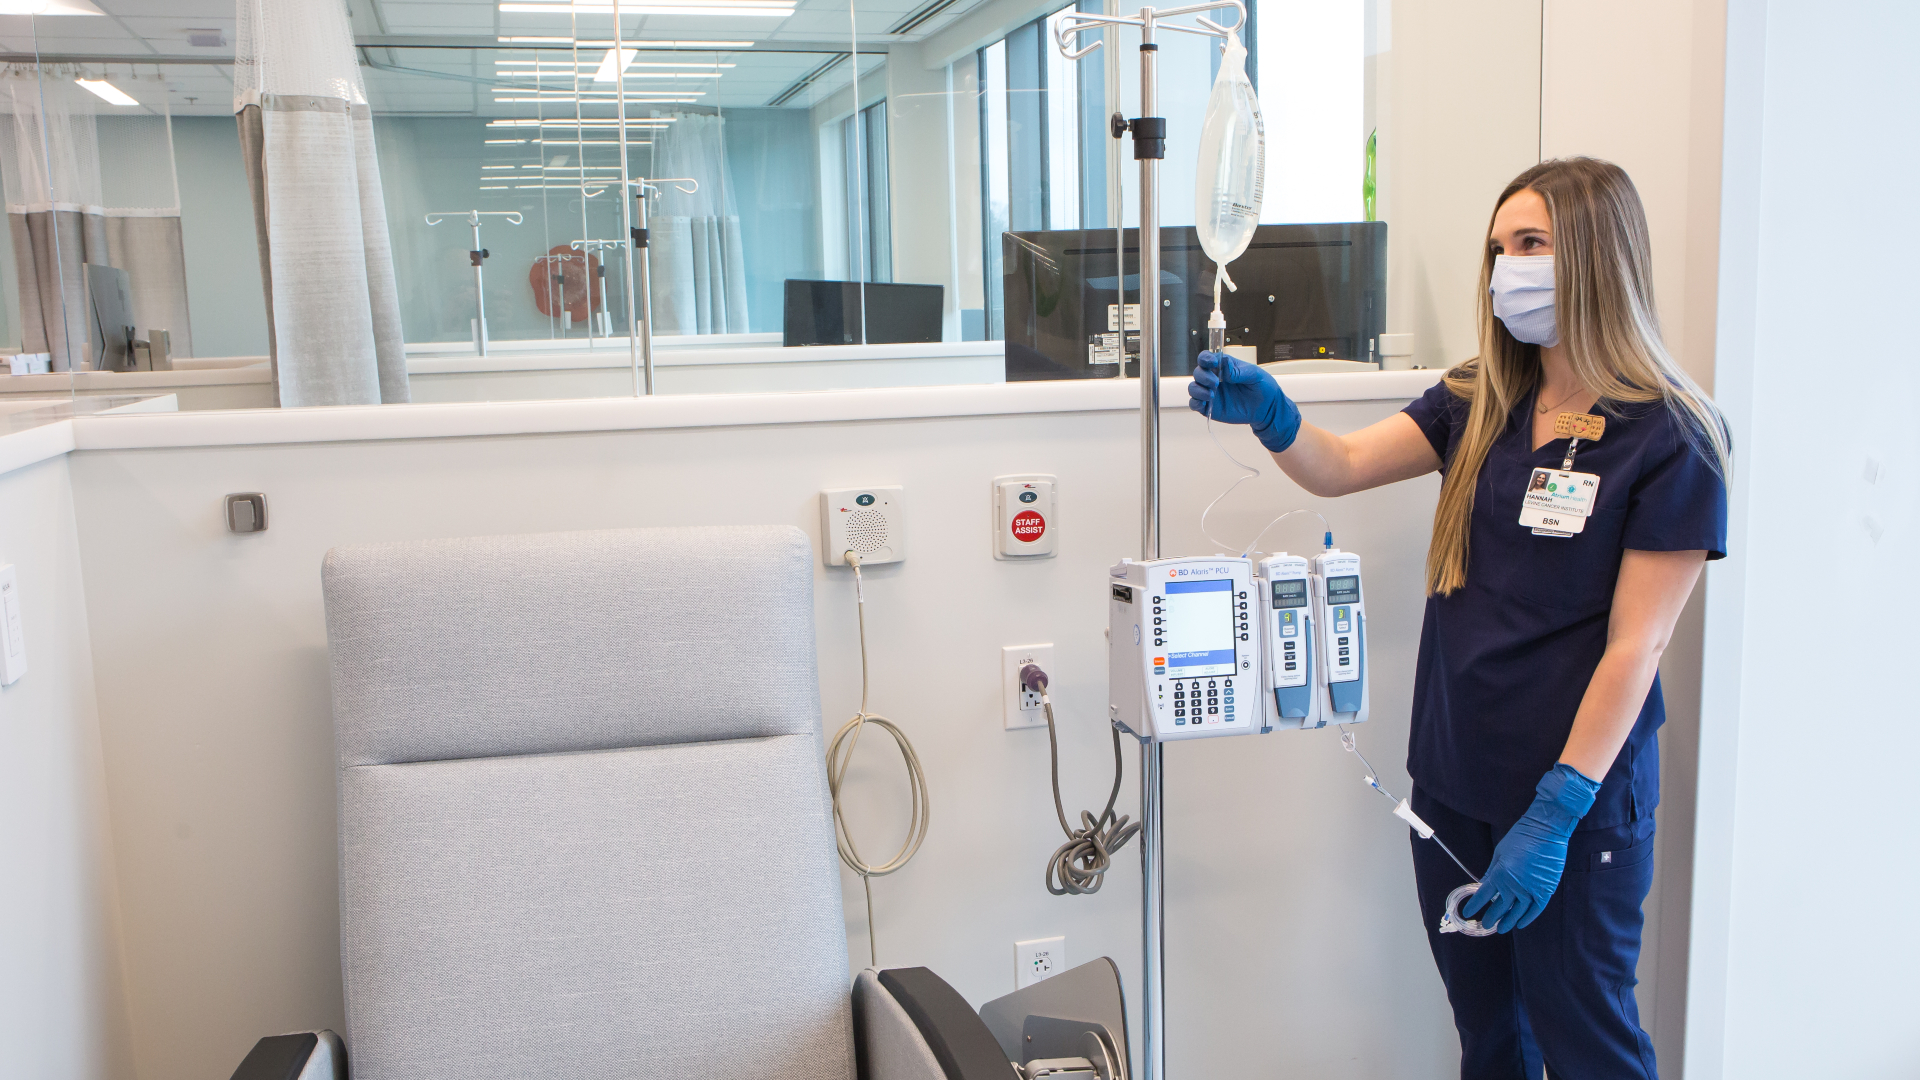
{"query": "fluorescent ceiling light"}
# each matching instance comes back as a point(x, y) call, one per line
point(538, 40)
point(635, 43)
point(515, 142)
point(561, 122)
point(48, 7)
point(686, 99)
point(613, 64)
point(748, 8)
point(107, 92)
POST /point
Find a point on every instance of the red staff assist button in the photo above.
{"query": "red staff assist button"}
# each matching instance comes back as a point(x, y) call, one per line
point(1028, 526)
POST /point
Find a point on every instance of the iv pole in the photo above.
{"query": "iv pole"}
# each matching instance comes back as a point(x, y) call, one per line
point(643, 189)
point(1149, 147)
point(591, 247)
point(479, 255)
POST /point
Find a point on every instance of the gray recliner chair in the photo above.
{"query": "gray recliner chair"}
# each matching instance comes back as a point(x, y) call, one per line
point(585, 832)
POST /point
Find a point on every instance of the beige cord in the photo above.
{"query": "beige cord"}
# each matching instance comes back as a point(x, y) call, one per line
point(839, 759)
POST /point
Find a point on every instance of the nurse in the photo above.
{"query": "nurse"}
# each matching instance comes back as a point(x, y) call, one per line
point(1556, 571)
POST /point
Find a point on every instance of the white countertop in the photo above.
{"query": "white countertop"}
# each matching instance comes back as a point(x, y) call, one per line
point(94, 430)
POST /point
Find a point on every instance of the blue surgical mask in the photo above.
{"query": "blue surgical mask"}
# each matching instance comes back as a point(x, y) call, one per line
point(1522, 288)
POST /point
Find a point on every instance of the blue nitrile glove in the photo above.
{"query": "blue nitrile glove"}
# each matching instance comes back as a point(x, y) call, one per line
point(1528, 861)
point(1235, 392)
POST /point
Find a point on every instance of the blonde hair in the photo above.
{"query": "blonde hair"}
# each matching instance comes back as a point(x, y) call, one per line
point(1603, 293)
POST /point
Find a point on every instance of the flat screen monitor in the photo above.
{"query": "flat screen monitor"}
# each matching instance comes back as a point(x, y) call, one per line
point(110, 318)
point(1306, 292)
point(834, 312)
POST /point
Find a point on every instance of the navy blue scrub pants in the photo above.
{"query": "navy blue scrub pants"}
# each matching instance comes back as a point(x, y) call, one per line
point(1558, 992)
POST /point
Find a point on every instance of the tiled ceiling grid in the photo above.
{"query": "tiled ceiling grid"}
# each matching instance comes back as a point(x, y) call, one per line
point(404, 78)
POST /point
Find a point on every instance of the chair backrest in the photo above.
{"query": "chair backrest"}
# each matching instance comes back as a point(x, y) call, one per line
point(584, 826)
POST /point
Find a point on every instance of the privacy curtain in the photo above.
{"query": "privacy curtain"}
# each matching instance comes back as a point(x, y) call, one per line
point(326, 262)
point(699, 269)
point(86, 189)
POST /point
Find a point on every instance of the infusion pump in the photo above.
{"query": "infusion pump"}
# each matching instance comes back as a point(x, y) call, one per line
point(1201, 647)
point(1340, 633)
point(1285, 590)
point(1183, 649)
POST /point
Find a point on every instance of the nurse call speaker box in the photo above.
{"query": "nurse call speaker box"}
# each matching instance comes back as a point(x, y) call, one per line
point(1305, 292)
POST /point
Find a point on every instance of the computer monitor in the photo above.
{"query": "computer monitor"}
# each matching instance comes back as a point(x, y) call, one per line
point(110, 312)
point(830, 313)
point(1306, 292)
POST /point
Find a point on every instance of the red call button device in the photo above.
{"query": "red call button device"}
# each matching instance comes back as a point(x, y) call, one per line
point(1028, 526)
point(1024, 517)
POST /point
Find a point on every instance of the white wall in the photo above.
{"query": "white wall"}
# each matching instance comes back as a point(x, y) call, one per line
point(1458, 108)
point(1805, 811)
point(1640, 83)
point(1293, 930)
point(62, 1004)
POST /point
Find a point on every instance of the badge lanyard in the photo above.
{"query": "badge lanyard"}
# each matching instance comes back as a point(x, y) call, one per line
point(1558, 503)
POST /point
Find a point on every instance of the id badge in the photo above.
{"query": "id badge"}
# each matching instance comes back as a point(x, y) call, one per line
point(1557, 502)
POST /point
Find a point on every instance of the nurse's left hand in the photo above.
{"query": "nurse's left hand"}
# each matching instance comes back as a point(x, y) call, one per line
point(1528, 861)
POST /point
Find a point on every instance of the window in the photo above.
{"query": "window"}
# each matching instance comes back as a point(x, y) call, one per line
point(1037, 110)
point(869, 232)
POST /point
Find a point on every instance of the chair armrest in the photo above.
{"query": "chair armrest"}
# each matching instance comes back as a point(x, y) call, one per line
point(910, 1025)
point(305, 1055)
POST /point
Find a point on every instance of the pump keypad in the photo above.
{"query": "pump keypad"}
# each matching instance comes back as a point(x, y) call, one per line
point(1217, 695)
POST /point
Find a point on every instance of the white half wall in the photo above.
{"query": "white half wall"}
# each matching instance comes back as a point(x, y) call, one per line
point(62, 1000)
point(1295, 941)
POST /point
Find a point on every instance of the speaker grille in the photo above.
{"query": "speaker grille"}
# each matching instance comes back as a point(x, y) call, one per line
point(866, 531)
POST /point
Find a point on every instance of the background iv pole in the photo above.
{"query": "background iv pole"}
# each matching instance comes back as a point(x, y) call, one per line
point(479, 255)
point(1149, 146)
point(643, 189)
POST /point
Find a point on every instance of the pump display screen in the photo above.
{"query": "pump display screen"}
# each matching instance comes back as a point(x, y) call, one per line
point(1199, 628)
point(1290, 593)
point(1343, 590)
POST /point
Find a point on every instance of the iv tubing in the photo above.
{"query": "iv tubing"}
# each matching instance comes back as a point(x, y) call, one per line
point(1373, 781)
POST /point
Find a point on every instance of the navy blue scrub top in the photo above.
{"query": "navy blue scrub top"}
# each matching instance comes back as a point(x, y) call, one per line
point(1505, 660)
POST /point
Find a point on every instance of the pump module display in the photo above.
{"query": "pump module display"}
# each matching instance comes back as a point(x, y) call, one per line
point(1194, 628)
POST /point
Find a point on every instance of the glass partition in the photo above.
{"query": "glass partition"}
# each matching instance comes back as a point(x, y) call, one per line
point(894, 194)
point(47, 147)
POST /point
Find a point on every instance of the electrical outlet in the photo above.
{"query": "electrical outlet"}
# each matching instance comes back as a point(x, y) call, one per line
point(1022, 706)
point(1038, 959)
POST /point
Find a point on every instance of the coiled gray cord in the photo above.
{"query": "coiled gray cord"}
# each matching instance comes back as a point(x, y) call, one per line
point(840, 756)
point(1080, 865)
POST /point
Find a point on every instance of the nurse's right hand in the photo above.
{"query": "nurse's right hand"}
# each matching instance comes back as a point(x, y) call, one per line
point(1233, 391)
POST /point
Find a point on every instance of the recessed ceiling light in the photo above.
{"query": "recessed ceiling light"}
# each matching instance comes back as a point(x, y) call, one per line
point(639, 44)
point(776, 9)
point(107, 92)
point(48, 7)
point(613, 64)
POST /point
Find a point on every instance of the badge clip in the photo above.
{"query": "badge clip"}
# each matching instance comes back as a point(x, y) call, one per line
point(1579, 426)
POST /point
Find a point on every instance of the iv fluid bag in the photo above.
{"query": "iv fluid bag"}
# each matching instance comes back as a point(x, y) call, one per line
point(1233, 161)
